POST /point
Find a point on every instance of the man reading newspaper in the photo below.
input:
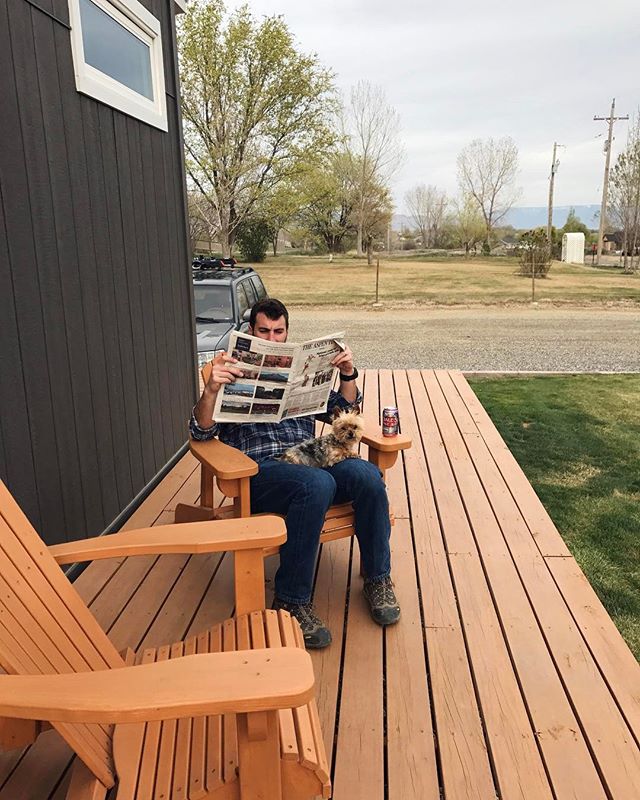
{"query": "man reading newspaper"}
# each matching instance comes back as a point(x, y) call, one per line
point(303, 494)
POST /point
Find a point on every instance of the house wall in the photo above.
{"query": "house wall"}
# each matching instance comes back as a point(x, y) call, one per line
point(96, 333)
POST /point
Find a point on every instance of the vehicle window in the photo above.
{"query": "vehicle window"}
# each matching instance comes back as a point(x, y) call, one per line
point(259, 287)
point(251, 294)
point(241, 296)
point(213, 304)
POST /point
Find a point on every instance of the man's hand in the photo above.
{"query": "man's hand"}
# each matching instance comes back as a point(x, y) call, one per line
point(344, 361)
point(223, 370)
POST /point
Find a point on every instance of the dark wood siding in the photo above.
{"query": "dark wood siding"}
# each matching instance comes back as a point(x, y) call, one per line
point(96, 332)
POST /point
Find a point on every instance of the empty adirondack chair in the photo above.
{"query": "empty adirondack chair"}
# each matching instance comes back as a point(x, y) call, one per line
point(227, 714)
point(232, 470)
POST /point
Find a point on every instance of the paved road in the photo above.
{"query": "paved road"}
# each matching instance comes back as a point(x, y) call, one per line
point(529, 339)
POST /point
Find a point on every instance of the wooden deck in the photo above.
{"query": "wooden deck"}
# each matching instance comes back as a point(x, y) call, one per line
point(505, 676)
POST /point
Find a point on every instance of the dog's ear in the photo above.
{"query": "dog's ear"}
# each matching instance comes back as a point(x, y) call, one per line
point(354, 408)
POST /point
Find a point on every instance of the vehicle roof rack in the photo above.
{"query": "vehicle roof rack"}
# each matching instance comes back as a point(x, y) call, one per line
point(221, 272)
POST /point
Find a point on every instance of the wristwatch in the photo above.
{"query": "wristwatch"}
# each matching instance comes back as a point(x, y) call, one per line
point(350, 377)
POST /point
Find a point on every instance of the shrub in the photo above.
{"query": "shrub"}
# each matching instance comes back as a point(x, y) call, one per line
point(253, 238)
point(534, 253)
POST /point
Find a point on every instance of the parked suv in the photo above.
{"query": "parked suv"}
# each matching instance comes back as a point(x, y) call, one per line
point(223, 298)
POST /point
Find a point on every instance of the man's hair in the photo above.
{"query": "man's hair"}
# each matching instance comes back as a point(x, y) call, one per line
point(272, 309)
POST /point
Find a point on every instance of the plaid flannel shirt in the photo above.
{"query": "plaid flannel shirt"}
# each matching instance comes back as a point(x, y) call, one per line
point(263, 440)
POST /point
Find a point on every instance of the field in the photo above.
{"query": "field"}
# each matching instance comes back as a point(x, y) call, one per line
point(578, 441)
point(413, 281)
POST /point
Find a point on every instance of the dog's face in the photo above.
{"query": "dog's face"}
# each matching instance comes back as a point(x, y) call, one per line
point(348, 427)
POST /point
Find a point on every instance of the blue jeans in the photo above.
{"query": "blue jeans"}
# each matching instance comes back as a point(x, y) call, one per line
point(303, 495)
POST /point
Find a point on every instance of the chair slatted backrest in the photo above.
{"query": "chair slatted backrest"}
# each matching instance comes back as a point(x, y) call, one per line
point(46, 627)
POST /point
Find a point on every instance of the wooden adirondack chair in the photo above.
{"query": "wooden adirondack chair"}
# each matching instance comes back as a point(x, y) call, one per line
point(232, 470)
point(228, 714)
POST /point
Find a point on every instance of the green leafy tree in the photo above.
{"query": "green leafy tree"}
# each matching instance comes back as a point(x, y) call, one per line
point(254, 108)
point(279, 208)
point(575, 225)
point(327, 200)
point(468, 224)
point(378, 211)
point(254, 235)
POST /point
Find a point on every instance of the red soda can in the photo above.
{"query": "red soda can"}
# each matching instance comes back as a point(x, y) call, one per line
point(390, 421)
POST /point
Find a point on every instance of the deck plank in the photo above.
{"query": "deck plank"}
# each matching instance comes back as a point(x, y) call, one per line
point(514, 750)
point(174, 618)
point(359, 763)
point(163, 495)
point(329, 599)
point(563, 747)
point(411, 758)
point(40, 770)
point(505, 670)
point(599, 716)
point(464, 760)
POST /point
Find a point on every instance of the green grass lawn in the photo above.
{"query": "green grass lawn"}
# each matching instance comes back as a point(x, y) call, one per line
point(347, 281)
point(578, 441)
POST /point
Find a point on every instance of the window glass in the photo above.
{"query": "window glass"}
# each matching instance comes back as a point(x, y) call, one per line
point(114, 50)
point(243, 303)
point(251, 295)
point(213, 304)
point(259, 287)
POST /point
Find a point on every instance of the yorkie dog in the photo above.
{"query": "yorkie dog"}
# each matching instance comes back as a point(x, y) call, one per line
point(325, 451)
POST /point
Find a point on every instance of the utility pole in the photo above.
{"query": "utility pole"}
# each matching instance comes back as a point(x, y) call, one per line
point(554, 168)
point(605, 185)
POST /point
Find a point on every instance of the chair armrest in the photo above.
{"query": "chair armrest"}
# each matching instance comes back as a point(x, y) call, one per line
point(192, 686)
point(224, 461)
point(386, 444)
point(247, 533)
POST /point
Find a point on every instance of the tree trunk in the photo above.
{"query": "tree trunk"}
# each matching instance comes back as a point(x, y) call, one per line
point(634, 244)
point(359, 240)
point(225, 231)
point(225, 244)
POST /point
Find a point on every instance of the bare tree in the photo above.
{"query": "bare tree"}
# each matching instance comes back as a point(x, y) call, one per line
point(624, 196)
point(487, 171)
point(427, 206)
point(203, 219)
point(371, 130)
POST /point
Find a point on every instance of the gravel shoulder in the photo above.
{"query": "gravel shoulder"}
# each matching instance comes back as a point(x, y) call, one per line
point(484, 340)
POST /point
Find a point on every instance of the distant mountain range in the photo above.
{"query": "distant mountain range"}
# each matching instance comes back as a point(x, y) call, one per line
point(535, 216)
point(526, 217)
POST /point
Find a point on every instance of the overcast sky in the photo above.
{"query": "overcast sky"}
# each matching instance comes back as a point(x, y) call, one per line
point(536, 71)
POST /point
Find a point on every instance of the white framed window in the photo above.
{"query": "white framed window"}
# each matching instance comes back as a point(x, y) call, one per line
point(117, 57)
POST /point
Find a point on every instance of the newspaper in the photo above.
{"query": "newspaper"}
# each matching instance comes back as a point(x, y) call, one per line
point(279, 379)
